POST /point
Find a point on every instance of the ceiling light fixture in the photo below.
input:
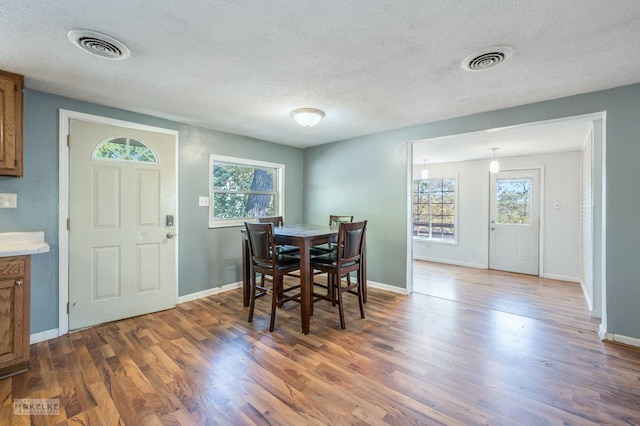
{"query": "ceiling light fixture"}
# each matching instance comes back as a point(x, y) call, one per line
point(425, 172)
point(307, 117)
point(494, 166)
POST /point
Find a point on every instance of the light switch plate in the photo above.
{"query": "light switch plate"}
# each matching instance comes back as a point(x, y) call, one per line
point(8, 201)
point(203, 201)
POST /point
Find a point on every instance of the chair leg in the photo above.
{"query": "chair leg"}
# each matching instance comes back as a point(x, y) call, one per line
point(277, 285)
point(340, 305)
point(360, 294)
point(252, 295)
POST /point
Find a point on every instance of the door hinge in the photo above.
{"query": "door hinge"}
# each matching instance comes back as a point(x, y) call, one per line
point(68, 224)
point(15, 163)
point(15, 87)
point(69, 140)
point(67, 308)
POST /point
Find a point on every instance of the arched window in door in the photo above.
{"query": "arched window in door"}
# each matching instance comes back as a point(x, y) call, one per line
point(124, 148)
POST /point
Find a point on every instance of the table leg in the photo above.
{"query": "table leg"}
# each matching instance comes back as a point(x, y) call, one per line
point(306, 285)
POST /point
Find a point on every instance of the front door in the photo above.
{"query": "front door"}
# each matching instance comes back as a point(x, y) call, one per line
point(514, 221)
point(122, 206)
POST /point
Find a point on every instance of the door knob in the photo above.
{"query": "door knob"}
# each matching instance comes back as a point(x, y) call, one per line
point(170, 235)
point(493, 229)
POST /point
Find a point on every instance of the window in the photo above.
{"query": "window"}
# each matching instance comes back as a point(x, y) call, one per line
point(513, 201)
point(124, 149)
point(434, 209)
point(241, 190)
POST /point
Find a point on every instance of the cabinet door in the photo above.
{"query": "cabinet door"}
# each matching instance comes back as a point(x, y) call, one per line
point(11, 321)
point(10, 124)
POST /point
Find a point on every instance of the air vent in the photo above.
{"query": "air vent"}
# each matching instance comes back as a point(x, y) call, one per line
point(99, 44)
point(487, 58)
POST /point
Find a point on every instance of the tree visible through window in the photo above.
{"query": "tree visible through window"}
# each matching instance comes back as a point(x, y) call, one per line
point(243, 189)
point(124, 149)
point(434, 209)
point(513, 201)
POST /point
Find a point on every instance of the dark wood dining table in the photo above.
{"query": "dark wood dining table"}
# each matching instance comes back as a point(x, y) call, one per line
point(304, 237)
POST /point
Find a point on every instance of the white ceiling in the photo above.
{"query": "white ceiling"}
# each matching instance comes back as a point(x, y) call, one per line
point(530, 139)
point(372, 65)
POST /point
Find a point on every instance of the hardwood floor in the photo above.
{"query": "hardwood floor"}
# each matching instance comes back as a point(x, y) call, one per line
point(485, 348)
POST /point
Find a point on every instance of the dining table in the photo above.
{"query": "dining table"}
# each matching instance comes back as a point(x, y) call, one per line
point(304, 237)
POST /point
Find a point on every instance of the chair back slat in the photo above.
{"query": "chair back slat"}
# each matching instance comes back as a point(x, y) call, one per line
point(276, 220)
point(335, 220)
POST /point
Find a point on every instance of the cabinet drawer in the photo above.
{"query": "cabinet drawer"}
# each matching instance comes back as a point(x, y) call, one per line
point(12, 267)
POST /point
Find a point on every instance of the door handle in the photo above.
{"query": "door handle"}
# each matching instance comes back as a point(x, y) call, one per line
point(18, 282)
point(170, 235)
point(492, 228)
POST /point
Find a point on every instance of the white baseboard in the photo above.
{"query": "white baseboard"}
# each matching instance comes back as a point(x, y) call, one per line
point(387, 287)
point(43, 335)
point(587, 297)
point(562, 278)
point(209, 292)
point(451, 262)
point(612, 337)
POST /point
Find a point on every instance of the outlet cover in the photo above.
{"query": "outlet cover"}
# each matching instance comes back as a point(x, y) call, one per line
point(203, 201)
point(8, 201)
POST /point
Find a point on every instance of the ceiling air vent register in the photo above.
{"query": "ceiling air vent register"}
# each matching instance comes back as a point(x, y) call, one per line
point(487, 58)
point(99, 44)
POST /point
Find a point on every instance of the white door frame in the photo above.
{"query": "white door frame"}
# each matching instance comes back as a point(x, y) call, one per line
point(63, 201)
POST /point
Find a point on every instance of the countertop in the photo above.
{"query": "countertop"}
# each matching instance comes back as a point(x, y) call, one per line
point(20, 243)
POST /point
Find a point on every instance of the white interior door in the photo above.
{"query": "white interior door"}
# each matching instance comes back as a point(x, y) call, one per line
point(122, 187)
point(514, 221)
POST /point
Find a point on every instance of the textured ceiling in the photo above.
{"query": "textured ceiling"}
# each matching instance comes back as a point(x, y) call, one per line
point(372, 65)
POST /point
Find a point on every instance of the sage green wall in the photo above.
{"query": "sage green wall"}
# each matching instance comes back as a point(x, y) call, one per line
point(367, 177)
point(206, 256)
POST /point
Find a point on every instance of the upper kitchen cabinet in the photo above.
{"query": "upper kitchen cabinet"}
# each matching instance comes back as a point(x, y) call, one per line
point(10, 124)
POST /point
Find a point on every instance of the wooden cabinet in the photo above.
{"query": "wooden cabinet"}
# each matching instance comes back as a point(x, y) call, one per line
point(14, 314)
point(10, 124)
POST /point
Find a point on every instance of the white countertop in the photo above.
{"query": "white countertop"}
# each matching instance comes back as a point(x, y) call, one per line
point(19, 243)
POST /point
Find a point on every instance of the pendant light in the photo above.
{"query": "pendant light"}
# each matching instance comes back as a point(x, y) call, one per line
point(494, 166)
point(425, 173)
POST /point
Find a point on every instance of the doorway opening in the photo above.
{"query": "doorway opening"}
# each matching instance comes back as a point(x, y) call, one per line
point(567, 156)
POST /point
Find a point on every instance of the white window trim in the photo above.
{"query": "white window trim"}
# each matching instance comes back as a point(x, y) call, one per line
point(228, 223)
point(453, 242)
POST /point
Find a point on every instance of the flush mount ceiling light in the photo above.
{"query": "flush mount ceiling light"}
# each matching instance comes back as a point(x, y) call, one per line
point(487, 58)
point(99, 44)
point(307, 117)
point(494, 166)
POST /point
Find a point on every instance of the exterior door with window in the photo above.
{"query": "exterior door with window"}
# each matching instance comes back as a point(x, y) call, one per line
point(514, 221)
point(122, 203)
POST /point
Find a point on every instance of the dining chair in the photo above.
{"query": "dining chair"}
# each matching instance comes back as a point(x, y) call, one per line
point(334, 220)
point(346, 258)
point(277, 221)
point(266, 261)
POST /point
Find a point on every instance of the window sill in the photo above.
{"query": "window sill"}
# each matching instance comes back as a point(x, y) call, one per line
point(424, 240)
point(230, 224)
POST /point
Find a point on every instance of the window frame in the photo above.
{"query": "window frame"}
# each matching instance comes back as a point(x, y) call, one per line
point(246, 162)
point(456, 214)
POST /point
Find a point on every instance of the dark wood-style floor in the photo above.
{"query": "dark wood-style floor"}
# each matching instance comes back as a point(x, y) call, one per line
point(482, 347)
